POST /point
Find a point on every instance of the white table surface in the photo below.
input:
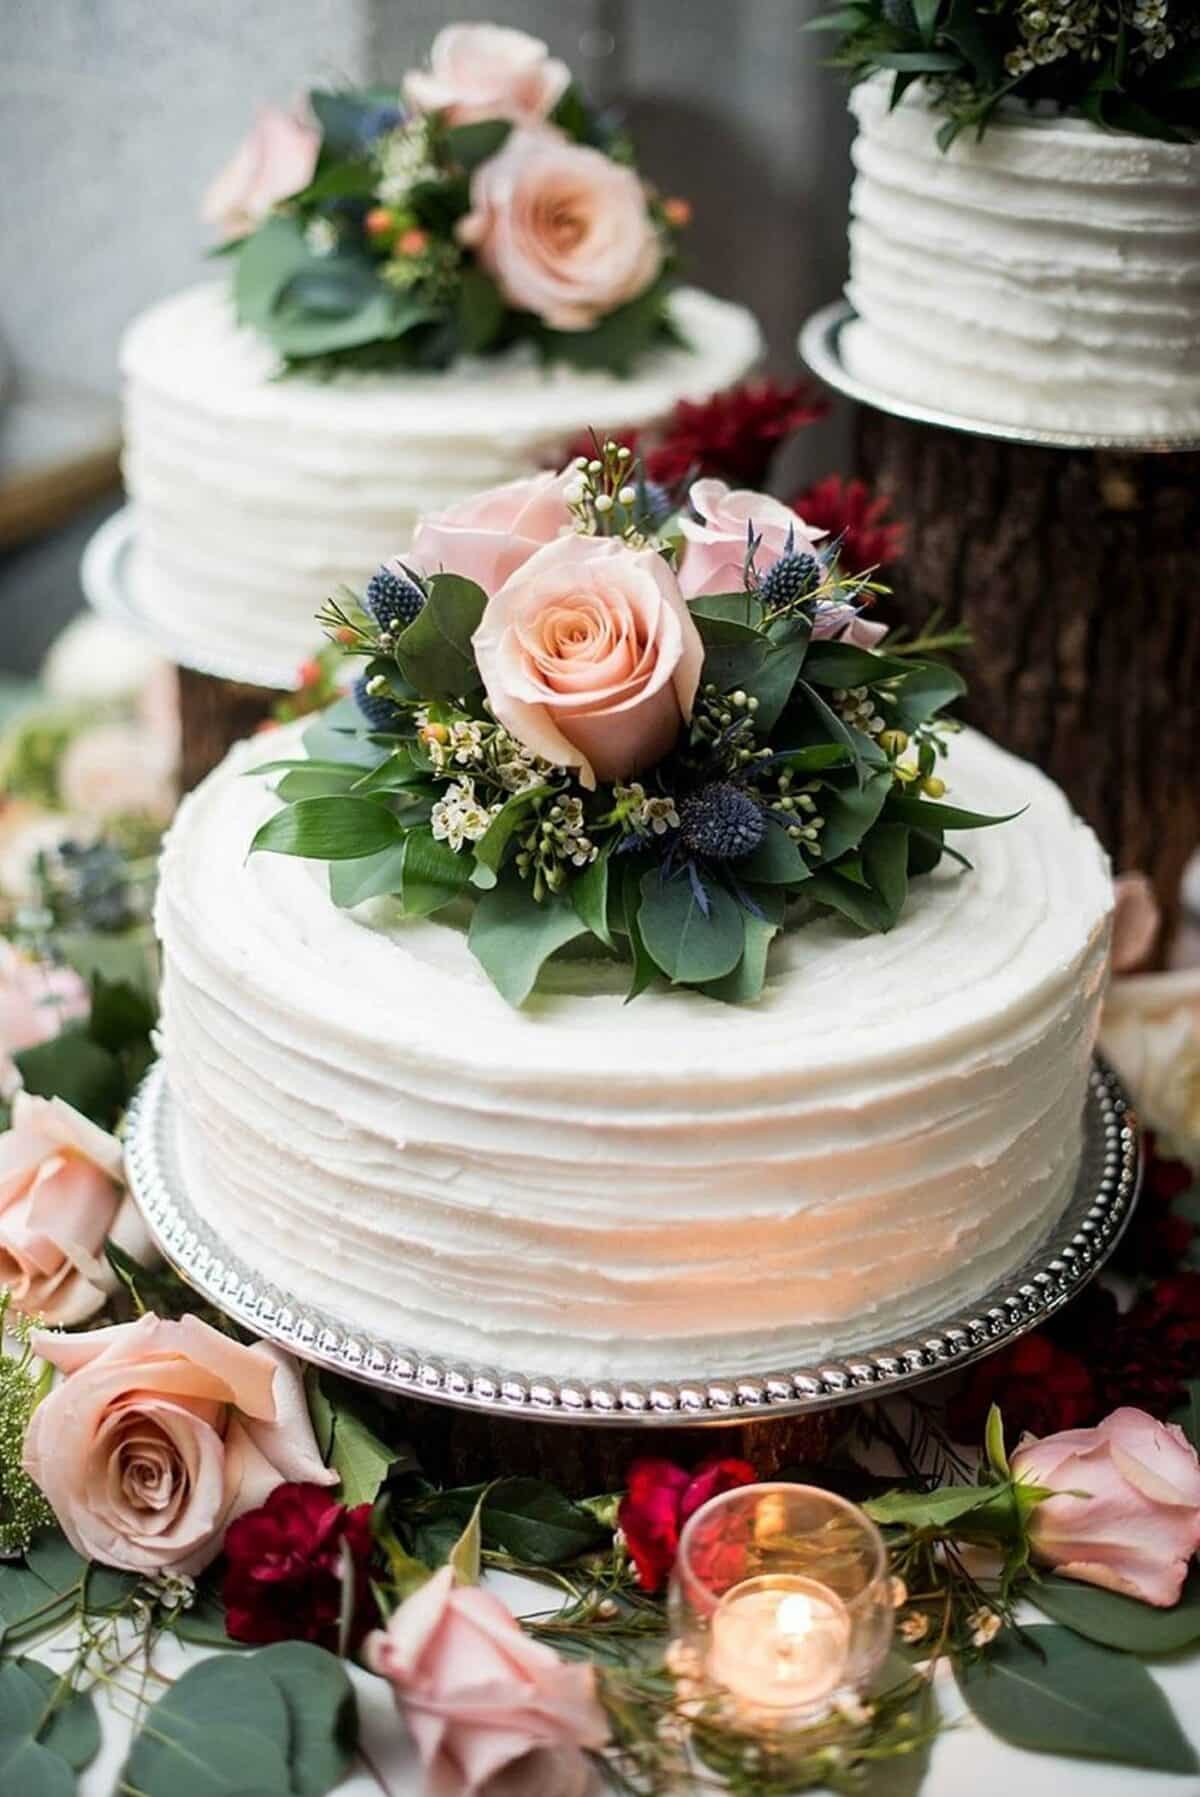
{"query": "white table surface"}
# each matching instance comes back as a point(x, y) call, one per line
point(967, 1760)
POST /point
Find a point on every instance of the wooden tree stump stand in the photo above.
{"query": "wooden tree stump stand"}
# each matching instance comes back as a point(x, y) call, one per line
point(213, 715)
point(1077, 573)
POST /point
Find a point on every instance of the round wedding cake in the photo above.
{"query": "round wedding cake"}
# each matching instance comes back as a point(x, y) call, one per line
point(257, 495)
point(1045, 275)
point(672, 1189)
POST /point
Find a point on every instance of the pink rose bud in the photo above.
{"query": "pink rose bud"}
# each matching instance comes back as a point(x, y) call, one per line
point(160, 1435)
point(490, 1710)
point(277, 159)
point(563, 230)
point(487, 537)
point(590, 657)
point(487, 72)
point(62, 1196)
point(716, 539)
point(1126, 1507)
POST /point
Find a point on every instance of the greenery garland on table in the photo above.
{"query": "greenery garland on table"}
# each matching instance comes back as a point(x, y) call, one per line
point(1128, 65)
point(796, 766)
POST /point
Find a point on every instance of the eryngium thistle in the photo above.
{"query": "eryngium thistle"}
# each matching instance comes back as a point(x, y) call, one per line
point(380, 712)
point(792, 577)
point(392, 600)
point(721, 822)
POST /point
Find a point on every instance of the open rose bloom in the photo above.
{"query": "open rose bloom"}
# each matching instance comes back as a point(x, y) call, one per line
point(493, 1713)
point(1126, 1506)
point(487, 72)
point(590, 657)
point(488, 537)
point(61, 1197)
point(563, 230)
point(275, 160)
point(160, 1435)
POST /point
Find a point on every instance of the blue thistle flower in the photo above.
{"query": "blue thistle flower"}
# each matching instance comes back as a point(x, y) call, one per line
point(721, 822)
point(381, 712)
point(393, 600)
point(654, 503)
point(377, 121)
point(792, 577)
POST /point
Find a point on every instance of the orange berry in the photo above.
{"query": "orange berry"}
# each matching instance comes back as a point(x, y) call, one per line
point(435, 733)
point(677, 211)
point(308, 673)
point(413, 242)
point(378, 222)
point(346, 635)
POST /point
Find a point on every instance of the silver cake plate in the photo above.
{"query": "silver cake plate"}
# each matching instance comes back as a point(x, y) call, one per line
point(1072, 1251)
point(106, 574)
point(820, 346)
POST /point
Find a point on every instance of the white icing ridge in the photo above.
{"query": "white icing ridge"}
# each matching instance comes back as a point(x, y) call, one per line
point(1047, 275)
point(672, 1189)
point(256, 495)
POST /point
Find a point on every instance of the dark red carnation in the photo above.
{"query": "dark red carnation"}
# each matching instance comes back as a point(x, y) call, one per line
point(1158, 1238)
point(284, 1568)
point(660, 1498)
point(734, 435)
point(1039, 1386)
point(846, 509)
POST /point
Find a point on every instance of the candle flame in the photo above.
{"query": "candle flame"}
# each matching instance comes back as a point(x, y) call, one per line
point(794, 1615)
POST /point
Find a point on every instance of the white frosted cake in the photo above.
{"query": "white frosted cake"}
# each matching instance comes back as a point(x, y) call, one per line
point(257, 495)
point(669, 1189)
point(1045, 276)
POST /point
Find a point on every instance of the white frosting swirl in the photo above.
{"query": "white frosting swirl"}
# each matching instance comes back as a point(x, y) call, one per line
point(674, 1188)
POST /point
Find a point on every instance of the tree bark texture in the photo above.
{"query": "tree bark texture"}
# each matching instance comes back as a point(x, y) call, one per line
point(1077, 572)
point(215, 714)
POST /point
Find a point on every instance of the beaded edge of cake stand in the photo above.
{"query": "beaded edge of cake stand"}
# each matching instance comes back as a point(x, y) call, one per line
point(1074, 1249)
point(820, 347)
point(106, 576)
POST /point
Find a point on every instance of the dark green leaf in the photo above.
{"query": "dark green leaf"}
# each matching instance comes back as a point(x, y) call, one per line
point(221, 1727)
point(1052, 1691)
point(76, 1069)
point(360, 1459)
point(66, 1721)
point(434, 651)
point(926, 14)
point(850, 811)
point(371, 876)
point(775, 682)
point(513, 816)
point(745, 983)
point(347, 119)
point(925, 689)
point(689, 944)
point(469, 145)
point(918, 62)
point(936, 816)
point(481, 311)
point(331, 829)
point(853, 901)
point(777, 861)
point(1117, 1621)
point(811, 760)
point(864, 754)
point(589, 895)
point(120, 1014)
point(333, 287)
point(644, 969)
point(512, 936)
point(842, 664)
point(432, 874)
point(734, 654)
point(527, 1518)
point(298, 333)
point(322, 1713)
point(400, 770)
point(743, 610)
point(885, 862)
point(204, 1624)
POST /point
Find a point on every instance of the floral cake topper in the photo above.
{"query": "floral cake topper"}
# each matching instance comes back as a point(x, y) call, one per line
point(482, 206)
point(590, 712)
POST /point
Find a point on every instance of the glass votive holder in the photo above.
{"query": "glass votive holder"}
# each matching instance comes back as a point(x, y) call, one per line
point(780, 1603)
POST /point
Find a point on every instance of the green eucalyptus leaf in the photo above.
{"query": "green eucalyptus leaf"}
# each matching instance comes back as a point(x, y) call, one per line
point(266, 261)
point(589, 896)
point(777, 861)
point(204, 1624)
point(369, 876)
point(857, 903)
point(1118, 1621)
point(1052, 1691)
point(222, 1727)
point(644, 968)
point(434, 651)
point(322, 1712)
point(330, 829)
point(885, 863)
point(432, 875)
point(513, 816)
point(925, 689)
point(386, 315)
point(28, 1769)
point(512, 936)
point(850, 811)
point(66, 1720)
point(744, 985)
point(28, 1606)
point(689, 942)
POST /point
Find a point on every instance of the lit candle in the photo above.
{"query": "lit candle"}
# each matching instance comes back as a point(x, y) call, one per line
point(780, 1641)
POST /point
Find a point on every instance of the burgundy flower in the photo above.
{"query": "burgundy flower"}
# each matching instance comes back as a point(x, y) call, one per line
point(846, 509)
point(660, 1498)
point(284, 1567)
point(1158, 1238)
point(734, 435)
point(1039, 1386)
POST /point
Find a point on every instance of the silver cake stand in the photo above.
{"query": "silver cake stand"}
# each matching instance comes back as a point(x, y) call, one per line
point(106, 575)
point(1079, 1243)
point(820, 346)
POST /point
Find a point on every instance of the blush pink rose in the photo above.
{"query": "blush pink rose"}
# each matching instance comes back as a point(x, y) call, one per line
point(1136, 922)
point(488, 537)
point(1126, 1509)
point(491, 1711)
point(37, 1000)
point(160, 1435)
point(275, 160)
point(61, 1196)
point(487, 72)
point(562, 229)
point(717, 538)
point(590, 657)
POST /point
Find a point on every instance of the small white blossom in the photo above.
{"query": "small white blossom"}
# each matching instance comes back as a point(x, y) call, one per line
point(466, 741)
point(404, 159)
point(914, 1628)
point(321, 236)
point(899, 1592)
point(656, 814)
point(851, 1708)
point(459, 816)
point(985, 1625)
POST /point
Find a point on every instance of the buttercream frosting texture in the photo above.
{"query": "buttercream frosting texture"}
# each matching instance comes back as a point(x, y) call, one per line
point(256, 496)
point(674, 1188)
point(1046, 275)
